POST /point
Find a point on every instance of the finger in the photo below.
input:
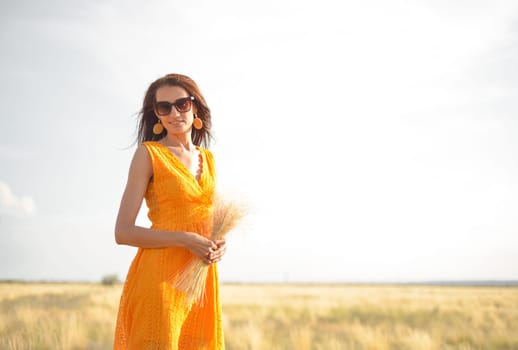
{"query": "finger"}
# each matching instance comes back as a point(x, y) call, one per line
point(217, 255)
point(221, 250)
point(222, 246)
point(220, 242)
point(211, 249)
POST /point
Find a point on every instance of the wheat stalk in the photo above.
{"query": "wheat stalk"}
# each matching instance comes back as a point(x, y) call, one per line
point(227, 215)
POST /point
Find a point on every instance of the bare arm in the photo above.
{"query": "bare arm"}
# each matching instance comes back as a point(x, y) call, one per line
point(126, 232)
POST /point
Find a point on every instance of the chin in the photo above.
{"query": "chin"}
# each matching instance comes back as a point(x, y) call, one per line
point(177, 130)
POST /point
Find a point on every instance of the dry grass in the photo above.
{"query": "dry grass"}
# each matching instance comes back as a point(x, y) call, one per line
point(82, 316)
point(57, 316)
point(370, 317)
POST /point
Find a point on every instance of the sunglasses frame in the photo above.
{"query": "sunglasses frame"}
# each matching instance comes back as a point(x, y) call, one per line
point(175, 105)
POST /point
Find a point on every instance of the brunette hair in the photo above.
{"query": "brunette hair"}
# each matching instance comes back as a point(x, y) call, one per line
point(148, 118)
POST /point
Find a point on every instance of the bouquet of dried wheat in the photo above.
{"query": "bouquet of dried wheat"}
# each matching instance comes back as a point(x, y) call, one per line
point(226, 216)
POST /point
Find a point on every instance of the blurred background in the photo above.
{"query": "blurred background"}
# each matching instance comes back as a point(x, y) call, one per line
point(374, 141)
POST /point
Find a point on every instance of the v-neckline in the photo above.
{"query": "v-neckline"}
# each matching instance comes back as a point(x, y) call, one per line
point(183, 167)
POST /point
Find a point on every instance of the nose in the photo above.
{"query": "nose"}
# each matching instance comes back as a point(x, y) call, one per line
point(174, 112)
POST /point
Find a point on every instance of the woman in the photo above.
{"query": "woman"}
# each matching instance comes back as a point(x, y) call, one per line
point(176, 177)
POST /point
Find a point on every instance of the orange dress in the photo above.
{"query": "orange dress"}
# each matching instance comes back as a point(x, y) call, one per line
point(152, 313)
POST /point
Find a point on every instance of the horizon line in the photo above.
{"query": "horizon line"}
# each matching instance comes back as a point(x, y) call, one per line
point(460, 282)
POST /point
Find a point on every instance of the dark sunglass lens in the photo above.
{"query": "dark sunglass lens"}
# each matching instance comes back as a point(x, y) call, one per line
point(183, 105)
point(163, 108)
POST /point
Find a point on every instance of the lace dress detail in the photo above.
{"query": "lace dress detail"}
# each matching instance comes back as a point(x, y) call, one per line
point(152, 313)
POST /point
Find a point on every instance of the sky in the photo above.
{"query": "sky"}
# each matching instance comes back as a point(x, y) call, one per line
point(372, 140)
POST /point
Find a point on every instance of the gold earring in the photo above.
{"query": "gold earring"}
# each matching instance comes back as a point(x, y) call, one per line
point(197, 123)
point(158, 128)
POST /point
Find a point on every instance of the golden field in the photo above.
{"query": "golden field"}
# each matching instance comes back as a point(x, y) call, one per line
point(82, 316)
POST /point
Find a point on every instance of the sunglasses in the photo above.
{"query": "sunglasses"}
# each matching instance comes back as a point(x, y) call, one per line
point(182, 105)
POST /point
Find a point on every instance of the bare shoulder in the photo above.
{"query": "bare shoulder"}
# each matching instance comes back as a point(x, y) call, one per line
point(142, 154)
point(141, 163)
point(142, 149)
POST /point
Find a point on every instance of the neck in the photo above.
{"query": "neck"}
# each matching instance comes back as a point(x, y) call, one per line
point(183, 141)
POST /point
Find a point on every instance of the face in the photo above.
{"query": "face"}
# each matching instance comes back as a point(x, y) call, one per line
point(175, 122)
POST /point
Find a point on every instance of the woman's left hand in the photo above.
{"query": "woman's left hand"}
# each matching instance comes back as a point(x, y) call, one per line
point(215, 255)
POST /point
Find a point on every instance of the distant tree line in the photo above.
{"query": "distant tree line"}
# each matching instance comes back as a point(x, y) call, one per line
point(110, 280)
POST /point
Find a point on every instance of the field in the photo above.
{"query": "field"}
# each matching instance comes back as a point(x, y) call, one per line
point(82, 316)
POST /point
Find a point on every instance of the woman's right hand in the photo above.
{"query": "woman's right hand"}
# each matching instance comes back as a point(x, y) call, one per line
point(200, 246)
